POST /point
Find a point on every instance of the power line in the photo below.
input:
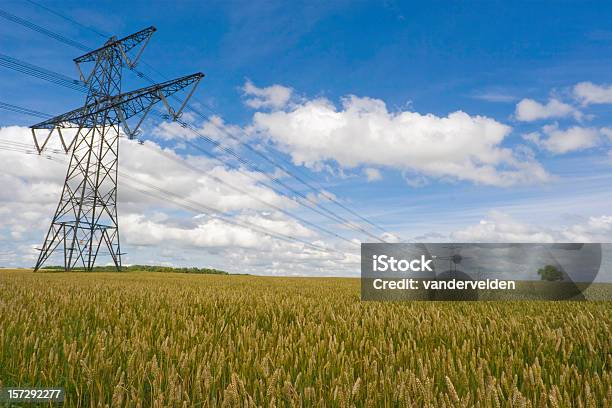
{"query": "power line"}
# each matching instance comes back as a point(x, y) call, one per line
point(67, 84)
point(73, 21)
point(276, 180)
point(11, 17)
point(41, 73)
point(312, 204)
point(168, 196)
point(197, 208)
point(320, 228)
point(255, 197)
point(24, 111)
point(184, 164)
point(58, 80)
point(337, 217)
point(316, 189)
point(27, 147)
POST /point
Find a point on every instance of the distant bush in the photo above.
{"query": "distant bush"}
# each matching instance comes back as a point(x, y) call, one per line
point(550, 273)
point(146, 268)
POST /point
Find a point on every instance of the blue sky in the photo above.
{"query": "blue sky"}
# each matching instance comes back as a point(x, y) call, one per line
point(438, 57)
point(481, 58)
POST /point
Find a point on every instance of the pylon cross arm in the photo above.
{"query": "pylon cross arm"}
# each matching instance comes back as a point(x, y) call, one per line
point(118, 49)
point(126, 44)
point(122, 107)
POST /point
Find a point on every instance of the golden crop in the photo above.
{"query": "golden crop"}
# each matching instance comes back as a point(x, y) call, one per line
point(174, 340)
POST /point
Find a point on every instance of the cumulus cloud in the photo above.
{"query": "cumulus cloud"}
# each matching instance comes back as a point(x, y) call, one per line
point(364, 132)
point(272, 97)
point(195, 178)
point(559, 141)
point(210, 232)
point(500, 227)
point(588, 93)
point(528, 110)
point(31, 188)
point(595, 229)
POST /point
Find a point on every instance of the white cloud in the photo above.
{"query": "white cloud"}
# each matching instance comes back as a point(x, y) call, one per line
point(588, 93)
point(205, 232)
point(595, 229)
point(363, 132)
point(274, 97)
point(236, 248)
point(533, 137)
point(500, 227)
point(32, 185)
point(528, 110)
point(196, 180)
point(560, 141)
point(372, 174)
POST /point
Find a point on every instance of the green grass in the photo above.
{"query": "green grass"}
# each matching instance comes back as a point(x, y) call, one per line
point(169, 339)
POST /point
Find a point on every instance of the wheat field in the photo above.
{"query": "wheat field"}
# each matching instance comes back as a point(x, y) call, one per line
point(177, 340)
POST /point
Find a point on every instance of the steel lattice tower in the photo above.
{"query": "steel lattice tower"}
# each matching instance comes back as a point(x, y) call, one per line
point(85, 223)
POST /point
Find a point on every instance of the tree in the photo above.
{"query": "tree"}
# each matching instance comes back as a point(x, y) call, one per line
point(550, 273)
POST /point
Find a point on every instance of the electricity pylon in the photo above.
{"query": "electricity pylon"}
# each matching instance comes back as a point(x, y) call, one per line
point(86, 217)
